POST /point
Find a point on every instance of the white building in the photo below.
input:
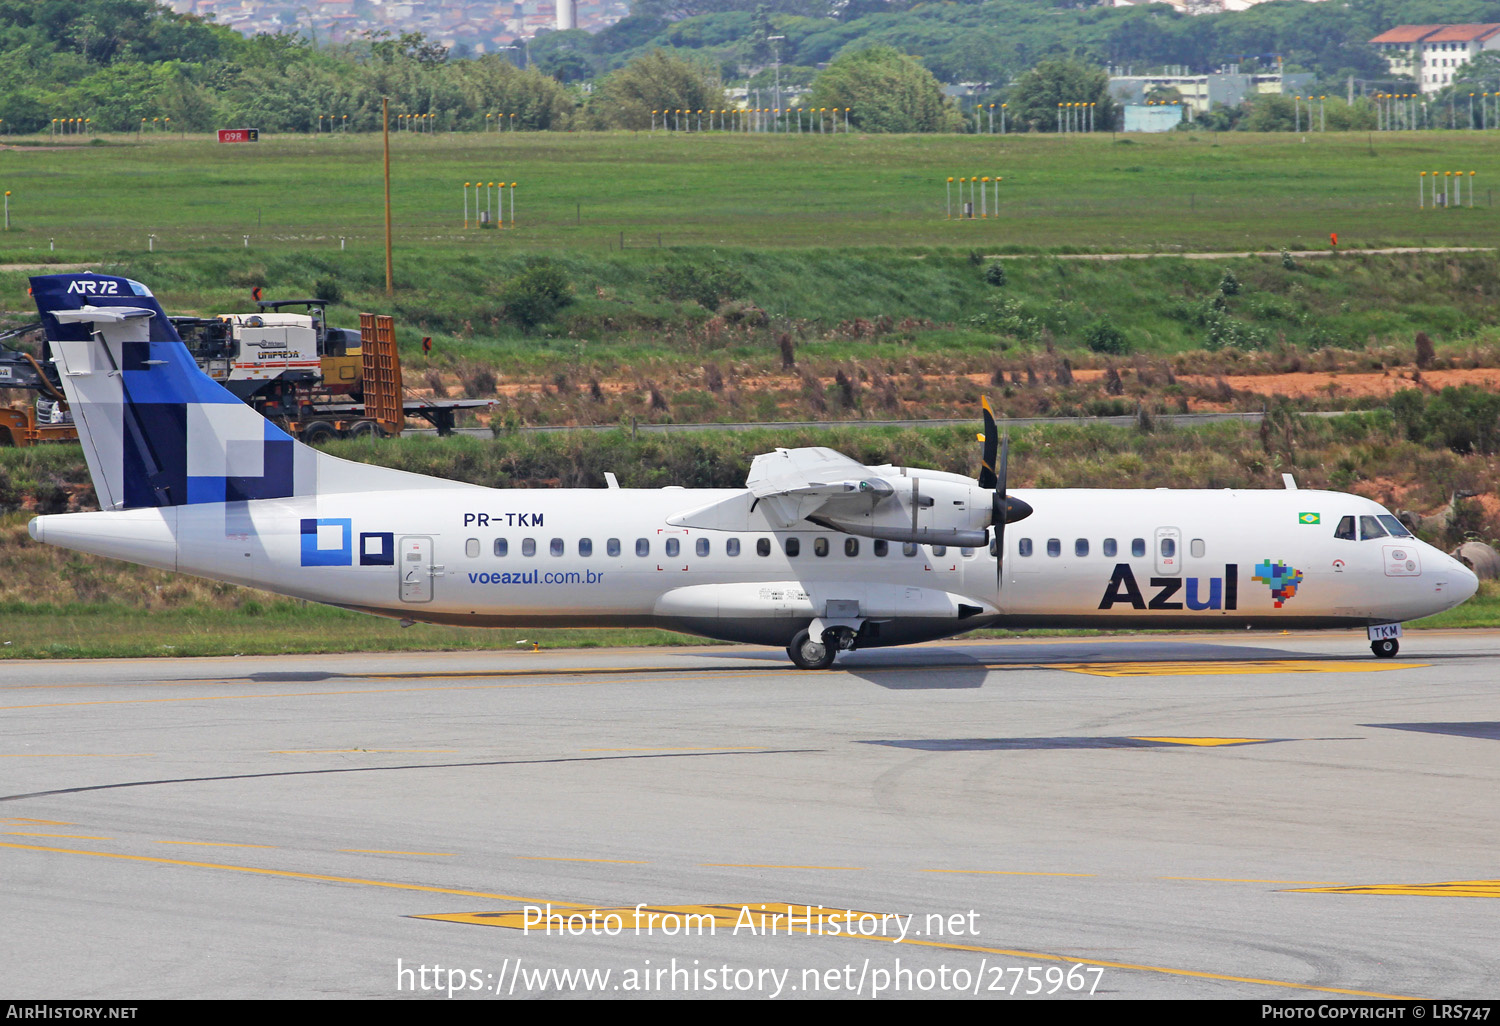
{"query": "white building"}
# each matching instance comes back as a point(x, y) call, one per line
point(1431, 54)
point(1228, 86)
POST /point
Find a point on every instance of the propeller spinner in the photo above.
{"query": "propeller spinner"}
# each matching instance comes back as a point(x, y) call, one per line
point(1003, 509)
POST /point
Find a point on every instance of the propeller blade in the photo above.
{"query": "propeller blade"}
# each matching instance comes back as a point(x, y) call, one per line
point(993, 472)
point(999, 505)
point(987, 454)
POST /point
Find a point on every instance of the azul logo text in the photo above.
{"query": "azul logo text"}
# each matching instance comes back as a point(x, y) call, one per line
point(1199, 593)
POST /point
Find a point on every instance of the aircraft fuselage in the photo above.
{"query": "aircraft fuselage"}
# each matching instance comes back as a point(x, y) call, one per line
point(466, 555)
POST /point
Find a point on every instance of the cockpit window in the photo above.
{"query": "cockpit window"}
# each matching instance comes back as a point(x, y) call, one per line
point(1396, 527)
point(1369, 527)
point(1345, 530)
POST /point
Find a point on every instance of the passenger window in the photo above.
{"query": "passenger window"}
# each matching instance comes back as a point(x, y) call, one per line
point(908, 548)
point(1054, 547)
point(820, 546)
point(1345, 530)
point(1168, 548)
point(1023, 547)
point(585, 546)
point(940, 550)
point(1081, 547)
point(612, 547)
point(673, 547)
point(471, 548)
point(732, 547)
point(882, 547)
point(1137, 546)
point(555, 547)
point(1197, 548)
point(701, 547)
point(793, 547)
point(966, 553)
point(1111, 547)
point(502, 546)
point(528, 546)
point(643, 546)
point(762, 546)
point(1369, 527)
point(851, 546)
point(1397, 528)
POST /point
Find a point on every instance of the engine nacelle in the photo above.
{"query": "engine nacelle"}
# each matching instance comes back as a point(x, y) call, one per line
point(925, 510)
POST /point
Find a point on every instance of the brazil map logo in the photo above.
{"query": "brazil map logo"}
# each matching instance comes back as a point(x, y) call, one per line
point(1282, 579)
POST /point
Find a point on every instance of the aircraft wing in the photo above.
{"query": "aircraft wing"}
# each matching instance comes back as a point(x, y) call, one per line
point(794, 484)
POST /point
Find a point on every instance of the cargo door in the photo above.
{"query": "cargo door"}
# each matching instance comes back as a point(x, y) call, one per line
point(417, 569)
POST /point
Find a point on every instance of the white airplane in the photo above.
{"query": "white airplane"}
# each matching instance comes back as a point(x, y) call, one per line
point(817, 553)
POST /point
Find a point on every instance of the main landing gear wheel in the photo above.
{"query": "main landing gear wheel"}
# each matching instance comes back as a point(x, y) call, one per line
point(809, 653)
point(1385, 648)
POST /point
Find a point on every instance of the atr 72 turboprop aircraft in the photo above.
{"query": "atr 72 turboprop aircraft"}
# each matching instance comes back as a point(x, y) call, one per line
point(817, 552)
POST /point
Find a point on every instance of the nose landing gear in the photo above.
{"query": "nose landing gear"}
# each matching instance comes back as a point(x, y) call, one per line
point(1385, 648)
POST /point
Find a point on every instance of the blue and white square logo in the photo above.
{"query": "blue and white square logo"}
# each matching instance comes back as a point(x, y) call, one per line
point(377, 549)
point(327, 542)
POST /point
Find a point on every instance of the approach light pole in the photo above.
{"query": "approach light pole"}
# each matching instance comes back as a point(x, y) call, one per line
point(385, 129)
point(776, 42)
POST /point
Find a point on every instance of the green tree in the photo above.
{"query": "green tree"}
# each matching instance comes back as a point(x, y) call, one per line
point(885, 91)
point(1037, 95)
point(535, 295)
point(656, 81)
point(493, 85)
point(566, 56)
point(1465, 418)
point(118, 96)
point(1482, 74)
point(410, 46)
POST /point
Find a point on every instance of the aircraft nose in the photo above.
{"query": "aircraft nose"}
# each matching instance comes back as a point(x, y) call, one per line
point(1465, 581)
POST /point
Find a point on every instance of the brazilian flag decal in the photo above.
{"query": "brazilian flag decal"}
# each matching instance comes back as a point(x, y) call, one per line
point(1309, 518)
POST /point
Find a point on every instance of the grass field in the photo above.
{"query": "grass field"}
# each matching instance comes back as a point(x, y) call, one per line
point(1103, 193)
point(838, 242)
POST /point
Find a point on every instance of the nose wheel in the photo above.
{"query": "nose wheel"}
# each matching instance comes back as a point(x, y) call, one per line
point(810, 653)
point(1385, 648)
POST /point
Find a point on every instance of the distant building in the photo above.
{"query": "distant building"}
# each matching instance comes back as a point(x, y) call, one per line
point(1430, 54)
point(1141, 118)
point(1229, 87)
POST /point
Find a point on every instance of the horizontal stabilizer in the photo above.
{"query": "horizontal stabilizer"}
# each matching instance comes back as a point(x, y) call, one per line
point(102, 314)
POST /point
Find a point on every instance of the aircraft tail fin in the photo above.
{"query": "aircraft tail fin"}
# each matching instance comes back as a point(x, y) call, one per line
point(156, 430)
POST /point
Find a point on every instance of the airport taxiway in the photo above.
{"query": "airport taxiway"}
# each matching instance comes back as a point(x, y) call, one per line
point(1248, 816)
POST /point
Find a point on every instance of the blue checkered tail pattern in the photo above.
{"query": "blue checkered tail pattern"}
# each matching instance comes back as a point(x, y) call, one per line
point(156, 430)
